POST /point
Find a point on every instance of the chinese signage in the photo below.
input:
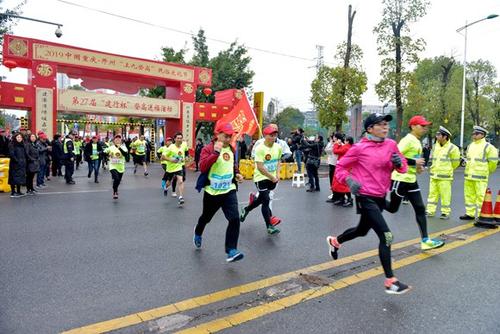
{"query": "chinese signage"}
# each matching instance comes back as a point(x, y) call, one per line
point(94, 103)
point(79, 57)
point(187, 123)
point(44, 113)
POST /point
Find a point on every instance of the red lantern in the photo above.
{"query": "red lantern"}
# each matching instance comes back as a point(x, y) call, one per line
point(10, 64)
point(207, 91)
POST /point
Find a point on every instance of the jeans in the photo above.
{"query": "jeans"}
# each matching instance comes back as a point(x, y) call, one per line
point(40, 179)
point(94, 166)
point(312, 175)
point(229, 204)
point(298, 160)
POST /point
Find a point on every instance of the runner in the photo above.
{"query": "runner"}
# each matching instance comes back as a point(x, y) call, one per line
point(406, 185)
point(366, 169)
point(116, 152)
point(139, 147)
point(185, 150)
point(267, 158)
point(217, 162)
point(174, 156)
point(163, 161)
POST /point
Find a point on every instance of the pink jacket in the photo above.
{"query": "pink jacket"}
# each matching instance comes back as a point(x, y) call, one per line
point(369, 163)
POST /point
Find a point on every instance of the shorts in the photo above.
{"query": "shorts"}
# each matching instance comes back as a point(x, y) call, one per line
point(170, 176)
point(265, 185)
point(139, 159)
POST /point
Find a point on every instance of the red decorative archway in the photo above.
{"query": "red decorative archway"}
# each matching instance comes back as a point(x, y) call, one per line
point(101, 70)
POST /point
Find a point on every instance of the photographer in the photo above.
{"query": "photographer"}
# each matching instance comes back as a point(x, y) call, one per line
point(315, 148)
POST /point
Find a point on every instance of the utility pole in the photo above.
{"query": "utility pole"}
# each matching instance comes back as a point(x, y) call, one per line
point(319, 60)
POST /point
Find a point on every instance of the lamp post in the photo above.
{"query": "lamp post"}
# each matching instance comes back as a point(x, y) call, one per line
point(58, 31)
point(492, 16)
point(383, 108)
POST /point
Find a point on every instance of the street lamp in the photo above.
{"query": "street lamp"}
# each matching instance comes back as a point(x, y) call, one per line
point(58, 31)
point(492, 16)
point(383, 108)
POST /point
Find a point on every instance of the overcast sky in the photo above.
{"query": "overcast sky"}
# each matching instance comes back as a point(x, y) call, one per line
point(289, 27)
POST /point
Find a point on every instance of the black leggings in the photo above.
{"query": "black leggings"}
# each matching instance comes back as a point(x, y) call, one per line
point(371, 209)
point(331, 172)
point(229, 204)
point(264, 188)
point(312, 176)
point(117, 178)
point(412, 192)
point(29, 180)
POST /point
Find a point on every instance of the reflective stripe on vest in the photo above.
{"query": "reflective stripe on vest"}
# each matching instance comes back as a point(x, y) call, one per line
point(480, 177)
point(439, 175)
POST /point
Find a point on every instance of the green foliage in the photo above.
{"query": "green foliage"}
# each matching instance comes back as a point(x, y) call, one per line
point(398, 50)
point(172, 56)
point(200, 57)
point(355, 57)
point(6, 23)
point(289, 119)
point(482, 76)
point(333, 91)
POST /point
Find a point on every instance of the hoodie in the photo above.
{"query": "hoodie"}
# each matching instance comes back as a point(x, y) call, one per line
point(369, 163)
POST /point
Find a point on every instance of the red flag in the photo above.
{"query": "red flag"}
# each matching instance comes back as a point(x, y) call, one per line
point(242, 118)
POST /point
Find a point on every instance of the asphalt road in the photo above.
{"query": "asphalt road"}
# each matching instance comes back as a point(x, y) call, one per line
point(71, 257)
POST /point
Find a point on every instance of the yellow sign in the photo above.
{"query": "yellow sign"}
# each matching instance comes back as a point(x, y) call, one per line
point(258, 107)
point(104, 61)
point(44, 111)
point(187, 123)
point(94, 103)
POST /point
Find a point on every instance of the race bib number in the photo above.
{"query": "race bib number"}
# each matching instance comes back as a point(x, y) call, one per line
point(220, 182)
point(271, 166)
point(94, 152)
point(116, 160)
point(140, 148)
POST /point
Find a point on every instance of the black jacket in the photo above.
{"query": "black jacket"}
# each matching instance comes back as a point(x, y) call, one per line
point(4, 146)
point(57, 150)
point(43, 151)
point(297, 140)
point(33, 157)
point(87, 150)
point(18, 163)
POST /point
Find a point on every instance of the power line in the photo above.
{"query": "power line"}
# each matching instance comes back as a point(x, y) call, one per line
point(181, 31)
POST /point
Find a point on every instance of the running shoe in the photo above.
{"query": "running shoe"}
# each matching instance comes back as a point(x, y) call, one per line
point(333, 246)
point(330, 196)
point(466, 217)
point(165, 191)
point(21, 194)
point(348, 204)
point(243, 215)
point(181, 200)
point(146, 173)
point(275, 221)
point(197, 241)
point(272, 230)
point(395, 287)
point(428, 214)
point(14, 195)
point(115, 195)
point(251, 198)
point(174, 194)
point(428, 243)
point(234, 255)
point(405, 202)
point(30, 192)
point(135, 170)
point(444, 216)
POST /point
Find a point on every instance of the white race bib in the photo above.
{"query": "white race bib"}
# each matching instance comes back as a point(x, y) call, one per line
point(221, 182)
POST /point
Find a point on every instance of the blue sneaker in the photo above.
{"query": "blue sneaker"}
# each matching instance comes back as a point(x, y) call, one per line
point(234, 255)
point(163, 184)
point(428, 243)
point(197, 241)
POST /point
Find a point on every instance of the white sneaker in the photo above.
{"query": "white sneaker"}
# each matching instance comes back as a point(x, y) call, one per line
point(330, 196)
point(174, 195)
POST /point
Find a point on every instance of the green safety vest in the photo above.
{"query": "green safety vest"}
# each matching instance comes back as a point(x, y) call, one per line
point(270, 156)
point(116, 158)
point(444, 160)
point(77, 145)
point(221, 173)
point(95, 153)
point(65, 145)
point(482, 159)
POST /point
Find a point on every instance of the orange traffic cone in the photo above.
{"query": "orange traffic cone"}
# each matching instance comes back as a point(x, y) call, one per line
point(486, 218)
point(496, 212)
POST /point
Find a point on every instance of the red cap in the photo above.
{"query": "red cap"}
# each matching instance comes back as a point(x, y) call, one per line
point(43, 136)
point(226, 128)
point(168, 138)
point(270, 129)
point(418, 120)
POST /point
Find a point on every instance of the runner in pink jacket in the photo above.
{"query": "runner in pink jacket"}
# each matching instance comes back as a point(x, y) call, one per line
point(366, 169)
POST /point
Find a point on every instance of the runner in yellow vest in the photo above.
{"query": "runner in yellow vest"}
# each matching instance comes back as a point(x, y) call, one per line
point(116, 153)
point(163, 161)
point(267, 158)
point(482, 160)
point(218, 165)
point(185, 150)
point(406, 185)
point(445, 157)
point(139, 147)
point(175, 160)
point(77, 144)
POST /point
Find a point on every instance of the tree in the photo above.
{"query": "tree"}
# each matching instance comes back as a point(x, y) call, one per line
point(288, 119)
point(393, 39)
point(482, 75)
point(201, 56)
point(333, 91)
point(6, 22)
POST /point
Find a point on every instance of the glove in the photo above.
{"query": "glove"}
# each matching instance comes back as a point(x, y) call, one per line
point(354, 186)
point(396, 160)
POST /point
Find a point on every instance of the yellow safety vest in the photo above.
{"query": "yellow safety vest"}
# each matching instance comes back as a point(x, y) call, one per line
point(444, 160)
point(65, 146)
point(482, 159)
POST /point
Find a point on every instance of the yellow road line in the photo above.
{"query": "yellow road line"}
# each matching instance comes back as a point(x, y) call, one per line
point(282, 303)
point(192, 303)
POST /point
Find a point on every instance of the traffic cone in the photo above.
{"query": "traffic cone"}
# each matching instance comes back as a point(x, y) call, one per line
point(496, 212)
point(486, 218)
